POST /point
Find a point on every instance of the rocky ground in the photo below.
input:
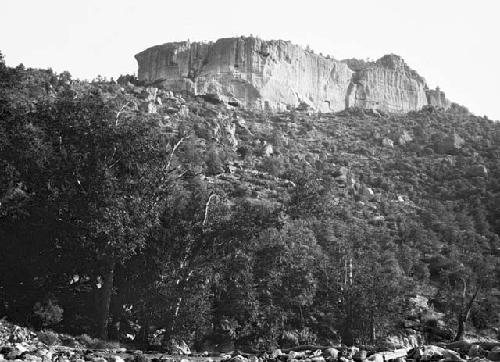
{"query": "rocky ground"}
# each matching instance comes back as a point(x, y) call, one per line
point(22, 344)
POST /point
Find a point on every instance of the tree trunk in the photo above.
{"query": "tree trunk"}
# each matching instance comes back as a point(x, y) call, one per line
point(373, 335)
point(461, 328)
point(464, 316)
point(106, 293)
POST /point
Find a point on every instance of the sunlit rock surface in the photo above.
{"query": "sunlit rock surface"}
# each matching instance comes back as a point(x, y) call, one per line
point(277, 74)
point(389, 85)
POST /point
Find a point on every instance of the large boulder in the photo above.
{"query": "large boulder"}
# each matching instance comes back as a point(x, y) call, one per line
point(177, 347)
point(494, 354)
point(433, 353)
point(331, 353)
point(450, 144)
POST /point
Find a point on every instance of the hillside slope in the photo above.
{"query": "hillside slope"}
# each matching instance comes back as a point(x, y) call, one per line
point(127, 209)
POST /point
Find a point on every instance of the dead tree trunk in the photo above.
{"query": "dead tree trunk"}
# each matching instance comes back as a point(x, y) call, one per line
point(464, 313)
point(105, 301)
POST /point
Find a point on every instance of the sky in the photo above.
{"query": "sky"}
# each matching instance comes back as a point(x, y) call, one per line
point(453, 44)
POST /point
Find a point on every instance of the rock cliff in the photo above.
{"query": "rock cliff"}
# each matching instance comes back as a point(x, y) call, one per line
point(387, 84)
point(277, 74)
point(437, 98)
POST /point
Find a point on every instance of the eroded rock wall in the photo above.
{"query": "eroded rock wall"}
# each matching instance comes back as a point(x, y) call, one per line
point(437, 98)
point(389, 85)
point(250, 71)
point(277, 74)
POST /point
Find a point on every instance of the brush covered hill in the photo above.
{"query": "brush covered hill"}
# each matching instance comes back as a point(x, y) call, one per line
point(140, 214)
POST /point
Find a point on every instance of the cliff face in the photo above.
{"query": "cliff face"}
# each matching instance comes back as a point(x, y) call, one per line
point(437, 98)
point(278, 74)
point(388, 84)
point(252, 72)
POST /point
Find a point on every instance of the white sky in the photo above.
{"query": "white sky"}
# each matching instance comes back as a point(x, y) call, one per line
point(454, 44)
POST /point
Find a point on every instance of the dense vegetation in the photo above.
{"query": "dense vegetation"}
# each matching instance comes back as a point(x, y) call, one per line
point(125, 211)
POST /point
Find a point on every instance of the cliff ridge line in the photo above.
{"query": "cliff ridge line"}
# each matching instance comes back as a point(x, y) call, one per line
point(277, 75)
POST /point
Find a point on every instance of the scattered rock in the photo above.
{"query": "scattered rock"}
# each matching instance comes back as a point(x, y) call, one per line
point(177, 347)
point(148, 107)
point(451, 144)
point(387, 142)
point(115, 358)
point(276, 353)
point(331, 353)
point(477, 171)
point(359, 356)
point(494, 354)
point(268, 150)
point(476, 351)
point(404, 138)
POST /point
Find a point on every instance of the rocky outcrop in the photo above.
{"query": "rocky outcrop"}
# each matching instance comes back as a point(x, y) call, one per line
point(437, 98)
point(389, 85)
point(249, 71)
point(277, 75)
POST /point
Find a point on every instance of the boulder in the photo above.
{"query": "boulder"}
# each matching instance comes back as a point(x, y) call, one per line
point(477, 171)
point(318, 359)
point(177, 347)
point(331, 353)
point(387, 142)
point(359, 356)
point(297, 355)
point(115, 358)
point(494, 354)
point(450, 144)
point(404, 138)
point(276, 353)
point(148, 107)
point(459, 346)
point(431, 352)
point(253, 358)
point(268, 150)
point(341, 174)
point(376, 357)
point(476, 351)
point(238, 358)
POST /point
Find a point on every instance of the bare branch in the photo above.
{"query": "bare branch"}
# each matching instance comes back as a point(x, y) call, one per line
point(172, 153)
point(207, 205)
point(120, 112)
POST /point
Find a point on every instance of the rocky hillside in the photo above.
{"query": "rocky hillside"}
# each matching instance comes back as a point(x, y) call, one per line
point(21, 344)
point(146, 215)
point(277, 75)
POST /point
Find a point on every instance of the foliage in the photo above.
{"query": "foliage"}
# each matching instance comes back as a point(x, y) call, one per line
point(159, 226)
point(48, 337)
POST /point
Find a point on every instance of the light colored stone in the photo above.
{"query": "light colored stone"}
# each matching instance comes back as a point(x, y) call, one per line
point(277, 75)
point(387, 142)
point(317, 359)
point(477, 171)
point(451, 143)
point(437, 98)
point(404, 138)
point(116, 358)
point(331, 353)
point(388, 84)
point(476, 351)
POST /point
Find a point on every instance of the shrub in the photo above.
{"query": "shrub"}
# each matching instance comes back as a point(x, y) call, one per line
point(48, 337)
point(49, 312)
point(85, 340)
